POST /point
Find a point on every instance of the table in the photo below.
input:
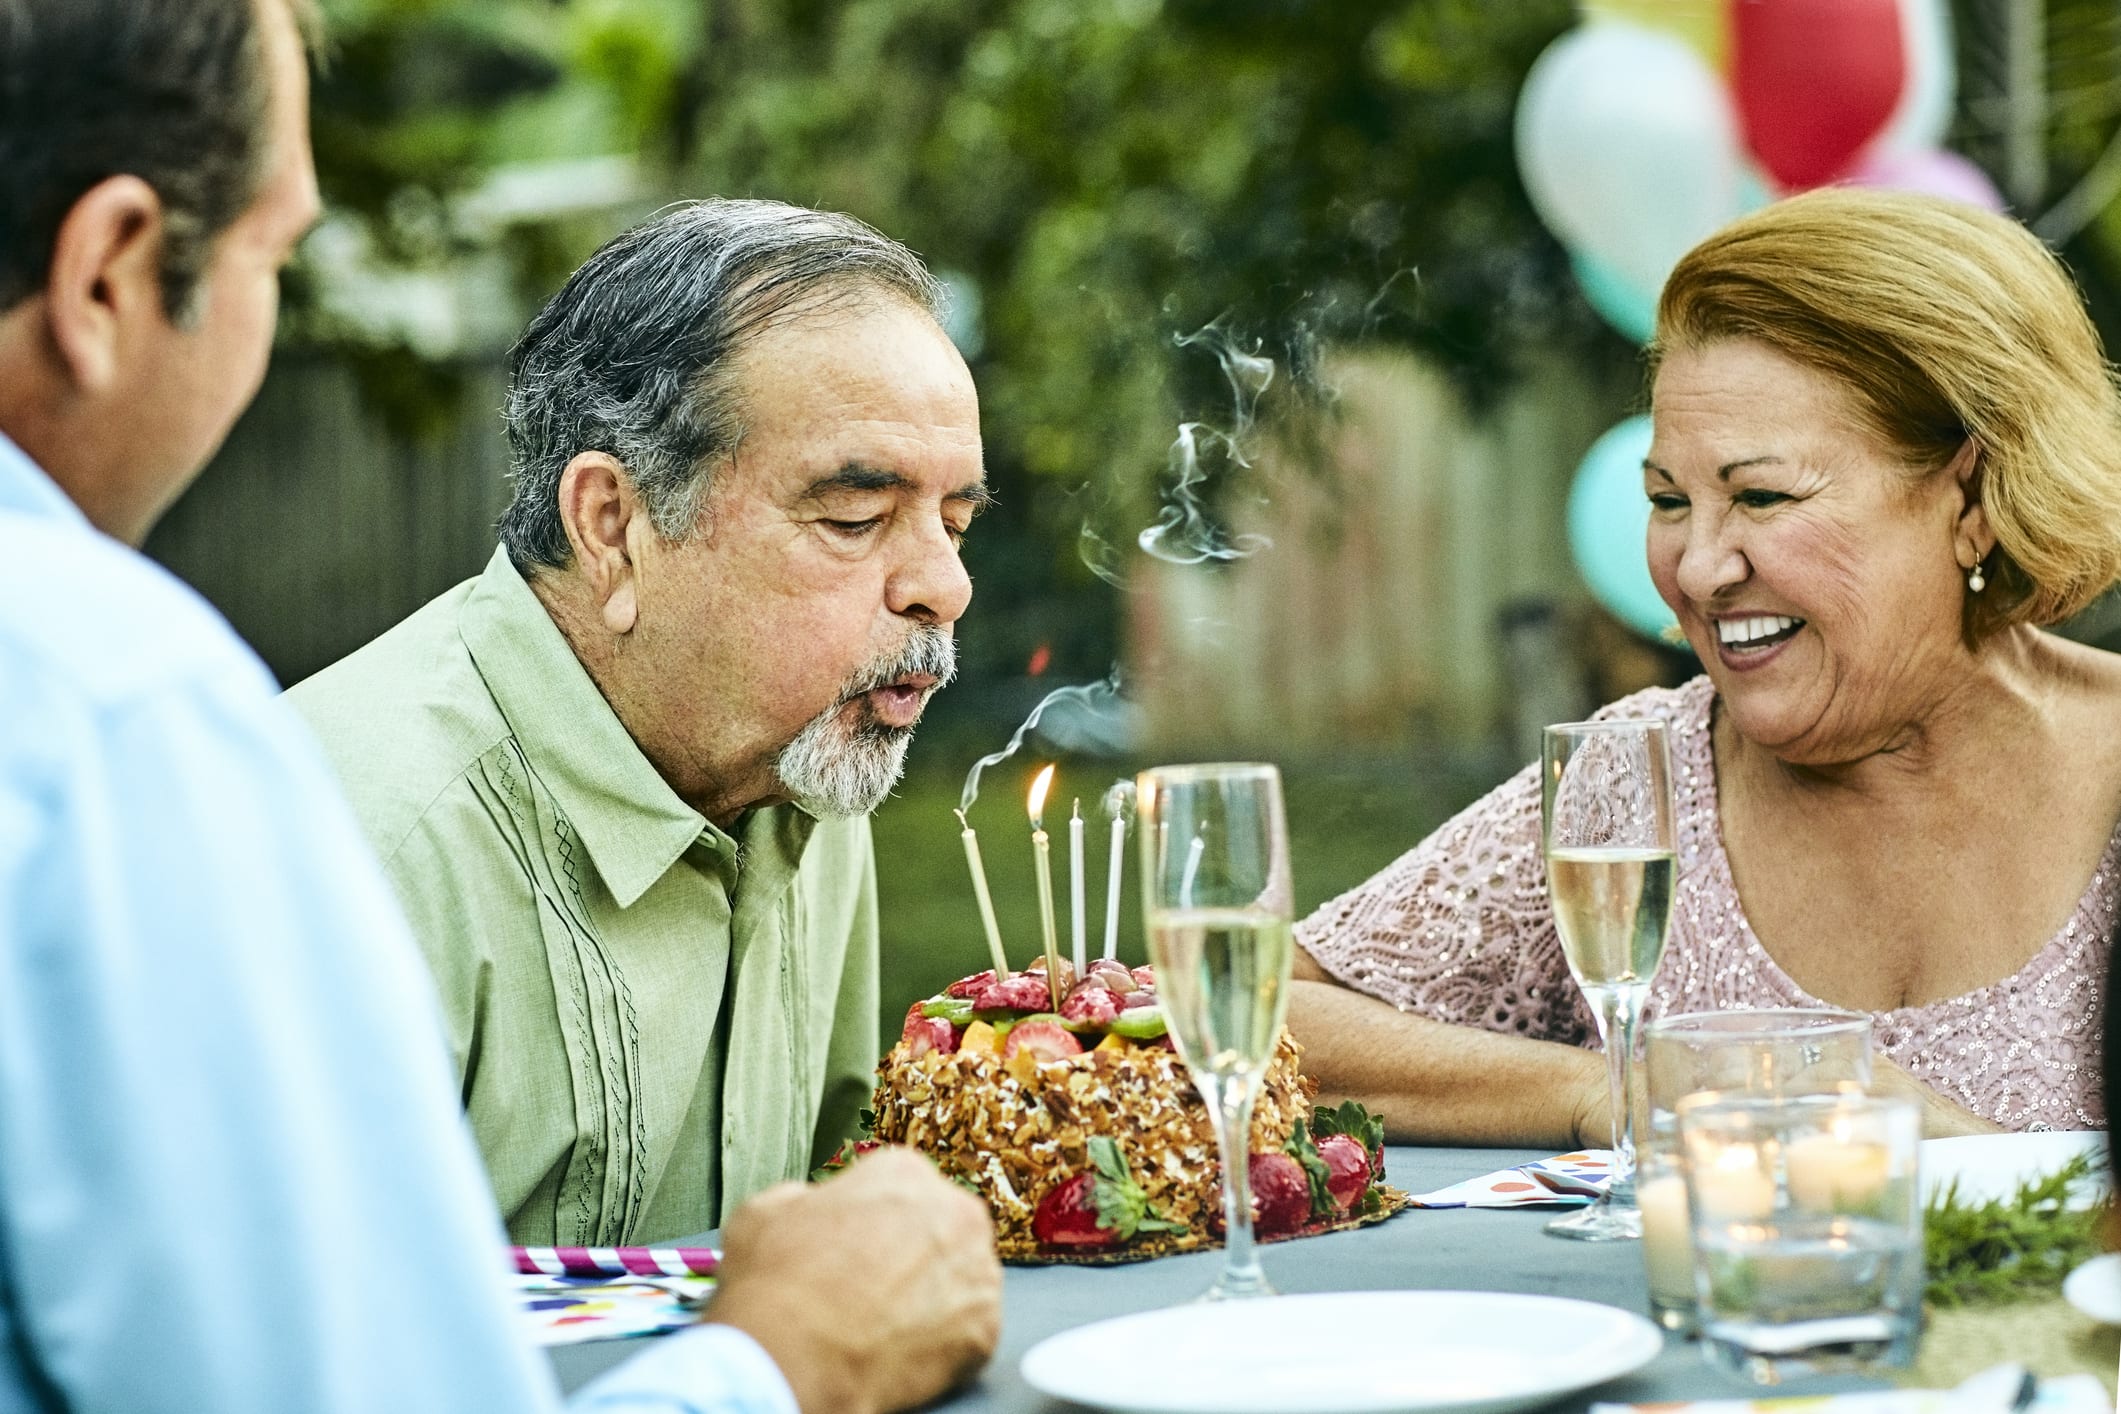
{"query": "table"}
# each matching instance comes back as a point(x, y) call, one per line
point(1456, 1249)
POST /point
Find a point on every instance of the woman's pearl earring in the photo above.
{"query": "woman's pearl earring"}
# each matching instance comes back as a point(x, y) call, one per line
point(1975, 581)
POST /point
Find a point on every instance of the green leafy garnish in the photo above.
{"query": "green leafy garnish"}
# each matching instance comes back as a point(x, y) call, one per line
point(1301, 1148)
point(2005, 1250)
point(1350, 1118)
point(1122, 1206)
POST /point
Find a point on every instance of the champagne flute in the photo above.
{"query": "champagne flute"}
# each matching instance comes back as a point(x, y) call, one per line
point(1216, 898)
point(1607, 827)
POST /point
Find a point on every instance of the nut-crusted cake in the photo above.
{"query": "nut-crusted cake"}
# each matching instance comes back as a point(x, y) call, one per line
point(1084, 1133)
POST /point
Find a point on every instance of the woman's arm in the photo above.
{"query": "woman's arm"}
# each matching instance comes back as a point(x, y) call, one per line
point(1434, 1082)
point(1420, 992)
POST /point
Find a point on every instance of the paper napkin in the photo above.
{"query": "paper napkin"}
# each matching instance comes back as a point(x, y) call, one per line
point(1564, 1181)
point(567, 1310)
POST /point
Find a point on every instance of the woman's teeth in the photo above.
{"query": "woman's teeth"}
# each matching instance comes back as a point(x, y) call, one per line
point(1752, 632)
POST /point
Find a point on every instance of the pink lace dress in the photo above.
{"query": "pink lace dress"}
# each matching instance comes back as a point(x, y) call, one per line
point(1459, 929)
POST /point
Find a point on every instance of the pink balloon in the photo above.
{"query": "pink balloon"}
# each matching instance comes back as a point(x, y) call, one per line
point(1932, 171)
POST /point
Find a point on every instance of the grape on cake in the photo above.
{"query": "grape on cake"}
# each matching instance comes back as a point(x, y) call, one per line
point(1083, 1131)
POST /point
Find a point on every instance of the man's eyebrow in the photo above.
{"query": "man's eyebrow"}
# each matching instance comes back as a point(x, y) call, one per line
point(855, 477)
point(974, 494)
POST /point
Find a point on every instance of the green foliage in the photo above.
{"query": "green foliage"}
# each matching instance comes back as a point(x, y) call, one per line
point(2006, 1250)
point(1105, 174)
point(1112, 172)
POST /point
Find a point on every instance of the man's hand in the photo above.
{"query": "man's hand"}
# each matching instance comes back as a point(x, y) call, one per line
point(875, 1290)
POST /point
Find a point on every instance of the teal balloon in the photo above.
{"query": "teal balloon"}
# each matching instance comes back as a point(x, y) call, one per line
point(1620, 304)
point(1609, 520)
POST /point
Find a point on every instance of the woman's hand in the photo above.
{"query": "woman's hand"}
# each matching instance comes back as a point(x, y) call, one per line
point(1941, 1119)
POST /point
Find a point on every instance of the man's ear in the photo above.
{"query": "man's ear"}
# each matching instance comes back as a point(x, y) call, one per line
point(599, 508)
point(1972, 538)
point(105, 276)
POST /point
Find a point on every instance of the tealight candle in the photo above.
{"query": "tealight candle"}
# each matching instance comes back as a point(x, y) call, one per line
point(1833, 1173)
point(1667, 1244)
point(1733, 1187)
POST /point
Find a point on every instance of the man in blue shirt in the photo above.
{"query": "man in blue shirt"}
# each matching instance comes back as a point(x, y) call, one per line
point(233, 1173)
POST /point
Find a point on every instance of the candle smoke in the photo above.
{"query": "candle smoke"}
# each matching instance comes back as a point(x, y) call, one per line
point(1097, 698)
point(1202, 457)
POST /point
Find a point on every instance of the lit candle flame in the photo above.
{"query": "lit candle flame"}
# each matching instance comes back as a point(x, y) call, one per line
point(1039, 787)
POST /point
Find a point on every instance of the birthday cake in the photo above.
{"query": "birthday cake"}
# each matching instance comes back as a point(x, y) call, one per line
point(1083, 1131)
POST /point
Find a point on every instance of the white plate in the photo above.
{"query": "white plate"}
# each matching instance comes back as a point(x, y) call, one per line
point(1991, 1166)
point(1355, 1352)
point(2095, 1289)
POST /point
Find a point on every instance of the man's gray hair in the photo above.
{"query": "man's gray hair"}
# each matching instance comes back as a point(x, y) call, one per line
point(636, 355)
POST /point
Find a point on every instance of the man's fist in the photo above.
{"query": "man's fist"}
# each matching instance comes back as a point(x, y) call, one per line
point(875, 1290)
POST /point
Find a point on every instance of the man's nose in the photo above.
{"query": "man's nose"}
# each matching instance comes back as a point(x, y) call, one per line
point(931, 583)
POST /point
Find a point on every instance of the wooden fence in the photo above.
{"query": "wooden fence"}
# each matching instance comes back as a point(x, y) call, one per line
point(315, 529)
point(1378, 617)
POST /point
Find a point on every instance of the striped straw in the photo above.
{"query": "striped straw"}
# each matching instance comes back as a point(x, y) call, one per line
point(617, 1261)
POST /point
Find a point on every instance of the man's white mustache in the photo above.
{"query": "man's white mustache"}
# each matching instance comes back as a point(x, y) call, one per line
point(927, 652)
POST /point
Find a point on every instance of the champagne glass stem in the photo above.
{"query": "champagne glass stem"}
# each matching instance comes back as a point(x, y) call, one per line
point(1621, 1010)
point(1231, 1104)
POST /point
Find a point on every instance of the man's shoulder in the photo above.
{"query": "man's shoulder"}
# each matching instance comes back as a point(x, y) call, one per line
point(403, 717)
point(107, 626)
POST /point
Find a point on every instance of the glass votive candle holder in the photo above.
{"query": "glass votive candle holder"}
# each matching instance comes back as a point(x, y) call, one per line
point(1806, 1219)
point(1764, 1052)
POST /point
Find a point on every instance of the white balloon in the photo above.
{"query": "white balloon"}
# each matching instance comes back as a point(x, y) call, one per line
point(1924, 112)
point(1629, 148)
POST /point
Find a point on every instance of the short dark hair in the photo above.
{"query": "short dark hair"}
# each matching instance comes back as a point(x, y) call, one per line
point(635, 357)
point(174, 92)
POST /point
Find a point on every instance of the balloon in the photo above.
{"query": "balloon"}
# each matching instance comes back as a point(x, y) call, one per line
point(1815, 81)
point(1701, 23)
point(1620, 304)
point(1925, 111)
point(1609, 520)
point(1932, 171)
point(1628, 148)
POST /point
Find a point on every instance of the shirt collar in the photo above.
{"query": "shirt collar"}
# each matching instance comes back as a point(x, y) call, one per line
point(26, 488)
point(633, 824)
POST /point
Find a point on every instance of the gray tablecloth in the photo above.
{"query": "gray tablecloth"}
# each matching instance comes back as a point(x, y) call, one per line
point(1446, 1249)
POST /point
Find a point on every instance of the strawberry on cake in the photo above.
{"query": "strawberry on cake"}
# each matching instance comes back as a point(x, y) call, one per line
point(1082, 1130)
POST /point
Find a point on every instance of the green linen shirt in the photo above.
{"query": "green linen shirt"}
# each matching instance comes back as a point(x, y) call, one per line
point(652, 1020)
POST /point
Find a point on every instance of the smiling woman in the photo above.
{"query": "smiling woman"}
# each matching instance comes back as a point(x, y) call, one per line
point(1887, 453)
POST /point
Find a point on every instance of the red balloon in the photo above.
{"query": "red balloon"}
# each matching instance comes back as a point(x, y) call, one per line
point(1815, 80)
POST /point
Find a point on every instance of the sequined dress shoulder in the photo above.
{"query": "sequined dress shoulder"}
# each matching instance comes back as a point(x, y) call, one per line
point(1459, 929)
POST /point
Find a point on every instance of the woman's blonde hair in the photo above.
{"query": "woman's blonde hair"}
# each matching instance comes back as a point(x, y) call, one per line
point(1943, 322)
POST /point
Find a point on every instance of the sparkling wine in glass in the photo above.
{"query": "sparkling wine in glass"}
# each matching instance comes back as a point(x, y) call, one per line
point(1216, 894)
point(1608, 827)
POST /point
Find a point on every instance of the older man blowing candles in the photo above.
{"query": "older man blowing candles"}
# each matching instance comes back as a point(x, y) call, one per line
point(621, 778)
